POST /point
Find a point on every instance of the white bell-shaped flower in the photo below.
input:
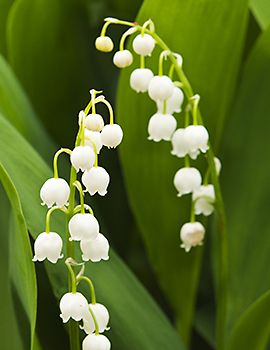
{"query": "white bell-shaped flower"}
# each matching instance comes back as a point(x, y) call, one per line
point(140, 79)
point(123, 58)
point(96, 180)
point(111, 135)
point(192, 235)
point(73, 305)
point(187, 180)
point(160, 88)
point(95, 249)
point(179, 144)
point(82, 158)
point(161, 127)
point(55, 191)
point(81, 116)
point(197, 140)
point(93, 136)
point(102, 316)
point(204, 198)
point(96, 342)
point(218, 165)
point(174, 103)
point(48, 246)
point(94, 122)
point(83, 226)
point(104, 44)
point(143, 44)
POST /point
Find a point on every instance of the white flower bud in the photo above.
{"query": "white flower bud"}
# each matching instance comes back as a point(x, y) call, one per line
point(143, 44)
point(96, 342)
point(95, 249)
point(179, 59)
point(140, 79)
point(197, 140)
point(161, 127)
point(94, 122)
point(160, 88)
point(73, 305)
point(179, 144)
point(96, 180)
point(187, 180)
point(83, 226)
point(55, 191)
point(82, 158)
point(48, 246)
point(203, 198)
point(174, 103)
point(93, 136)
point(111, 135)
point(192, 235)
point(102, 316)
point(218, 165)
point(104, 44)
point(81, 116)
point(123, 58)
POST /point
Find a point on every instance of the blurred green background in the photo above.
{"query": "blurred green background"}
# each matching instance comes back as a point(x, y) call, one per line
point(159, 296)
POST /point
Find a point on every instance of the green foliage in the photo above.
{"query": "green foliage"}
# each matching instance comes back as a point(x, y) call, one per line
point(261, 10)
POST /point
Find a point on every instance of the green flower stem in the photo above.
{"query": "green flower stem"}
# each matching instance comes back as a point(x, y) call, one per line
point(95, 150)
point(192, 211)
point(48, 217)
point(77, 209)
point(109, 108)
point(142, 61)
point(127, 33)
point(91, 287)
point(78, 185)
point(95, 321)
point(55, 160)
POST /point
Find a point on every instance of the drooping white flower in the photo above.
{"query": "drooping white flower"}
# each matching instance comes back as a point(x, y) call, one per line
point(111, 135)
point(93, 136)
point(83, 226)
point(187, 180)
point(55, 191)
point(123, 58)
point(197, 140)
point(143, 44)
point(160, 88)
point(73, 305)
point(94, 122)
point(161, 127)
point(81, 116)
point(218, 165)
point(102, 316)
point(96, 180)
point(82, 158)
point(140, 79)
point(204, 198)
point(179, 144)
point(174, 103)
point(104, 44)
point(48, 246)
point(192, 235)
point(95, 249)
point(96, 342)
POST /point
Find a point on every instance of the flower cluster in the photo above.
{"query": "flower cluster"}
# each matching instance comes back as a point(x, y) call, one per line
point(170, 93)
point(83, 227)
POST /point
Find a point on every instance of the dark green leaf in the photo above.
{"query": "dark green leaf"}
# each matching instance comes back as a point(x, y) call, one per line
point(5, 6)
point(209, 34)
point(261, 11)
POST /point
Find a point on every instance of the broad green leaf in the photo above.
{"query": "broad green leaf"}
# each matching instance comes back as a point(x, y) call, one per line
point(252, 329)
point(5, 6)
point(22, 271)
point(15, 105)
point(211, 60)
point(261, 11)
point(246, 183)
point(136, 321)
point(53, 59)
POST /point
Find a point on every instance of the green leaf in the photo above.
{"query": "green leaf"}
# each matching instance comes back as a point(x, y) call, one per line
point(23, 278)
point(261, 11)
point(15, 106)
point(136, 321)
point(5, 6)
point(252, 329)
point(212, 66)
point(53, 59)
point(245, 180)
